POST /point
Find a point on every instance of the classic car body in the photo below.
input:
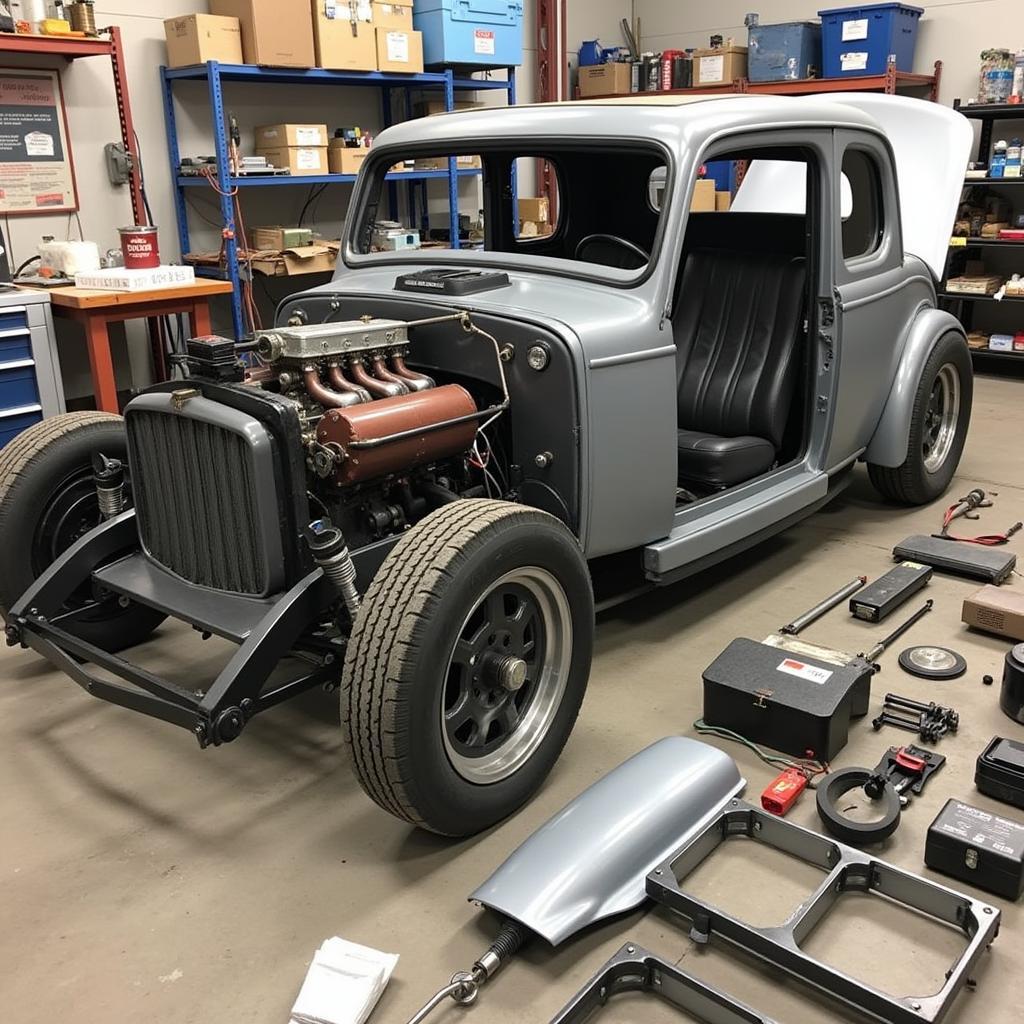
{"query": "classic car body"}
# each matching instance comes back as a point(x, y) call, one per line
point(669, 386)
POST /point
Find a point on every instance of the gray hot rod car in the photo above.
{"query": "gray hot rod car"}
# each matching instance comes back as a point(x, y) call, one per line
point(408, 487)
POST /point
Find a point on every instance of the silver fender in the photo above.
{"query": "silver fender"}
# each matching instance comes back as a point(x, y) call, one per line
point(591, 859)
point(888, 445)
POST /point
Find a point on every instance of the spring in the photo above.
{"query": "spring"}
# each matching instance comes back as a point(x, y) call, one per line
point(341, 571)
point(110, 500)
point(83, 17)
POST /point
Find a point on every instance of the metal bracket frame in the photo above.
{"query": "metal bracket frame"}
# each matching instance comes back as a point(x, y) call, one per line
point(635, 969)
point(846, 870)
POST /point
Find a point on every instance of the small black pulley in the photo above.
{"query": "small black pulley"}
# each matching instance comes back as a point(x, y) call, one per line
point(933, 662)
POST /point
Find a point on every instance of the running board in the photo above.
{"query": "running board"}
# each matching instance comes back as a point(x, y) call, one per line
point(710, 537)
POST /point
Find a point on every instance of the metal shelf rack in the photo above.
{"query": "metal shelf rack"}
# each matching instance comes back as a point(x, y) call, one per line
point(963, 306)
point(216, 74)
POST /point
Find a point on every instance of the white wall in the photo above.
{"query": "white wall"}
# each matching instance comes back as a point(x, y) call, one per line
point(953, 31)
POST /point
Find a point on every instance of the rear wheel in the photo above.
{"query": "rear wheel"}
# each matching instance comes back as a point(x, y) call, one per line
point(938, 428)
point(47, 502)
point(467, 665)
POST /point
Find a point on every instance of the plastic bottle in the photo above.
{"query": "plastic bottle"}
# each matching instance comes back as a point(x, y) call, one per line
point(997, 165)
point(1013, 159)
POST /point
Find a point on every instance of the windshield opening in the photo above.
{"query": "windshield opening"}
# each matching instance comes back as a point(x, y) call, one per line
point(594, 207)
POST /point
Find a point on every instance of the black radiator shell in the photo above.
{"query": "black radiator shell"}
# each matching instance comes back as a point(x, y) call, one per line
point(747, 690)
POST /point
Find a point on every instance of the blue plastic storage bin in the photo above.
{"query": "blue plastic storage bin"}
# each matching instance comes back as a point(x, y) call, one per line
point(784, 53)
point(860, 40)
point(471, 33)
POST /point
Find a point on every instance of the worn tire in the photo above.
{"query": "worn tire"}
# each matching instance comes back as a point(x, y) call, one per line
point(33, 468)
point(914, 483)
point(399, 661)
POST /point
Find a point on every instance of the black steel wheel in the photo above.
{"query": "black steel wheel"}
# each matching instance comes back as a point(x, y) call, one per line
point(938, 427)
point(467, 665)
point(47, 502)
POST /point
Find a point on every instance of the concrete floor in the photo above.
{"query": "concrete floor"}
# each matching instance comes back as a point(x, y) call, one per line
point(143, 880)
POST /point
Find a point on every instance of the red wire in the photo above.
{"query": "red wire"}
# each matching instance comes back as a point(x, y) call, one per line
point(989, 540)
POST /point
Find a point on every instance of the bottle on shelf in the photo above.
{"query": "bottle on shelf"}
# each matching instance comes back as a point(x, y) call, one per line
point(997, 165)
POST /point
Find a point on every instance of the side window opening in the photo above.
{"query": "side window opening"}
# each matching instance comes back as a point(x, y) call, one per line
point(862, 226)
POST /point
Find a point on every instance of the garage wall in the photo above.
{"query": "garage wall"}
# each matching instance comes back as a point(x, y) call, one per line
point(953, 31)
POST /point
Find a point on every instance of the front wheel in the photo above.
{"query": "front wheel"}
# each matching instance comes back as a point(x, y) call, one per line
point(467, 665)
point(938, 427)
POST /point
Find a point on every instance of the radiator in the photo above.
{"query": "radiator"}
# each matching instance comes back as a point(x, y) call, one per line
point(202, 477)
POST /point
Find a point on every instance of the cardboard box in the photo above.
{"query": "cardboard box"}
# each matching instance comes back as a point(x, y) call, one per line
point(273, 136)
point(278, 238)
point(300, 160)
point(345, 37)
point(703, 200)
point(400, 50)
point(197, 38)
point(396, 14)
point(305, 259)
point(723, 200)
point(277, 33)
point(440, 163)
point(536, 210)
point(997, 610)
point(427, 108)
point(605, 80)
point(719, 67)
point(342, 160)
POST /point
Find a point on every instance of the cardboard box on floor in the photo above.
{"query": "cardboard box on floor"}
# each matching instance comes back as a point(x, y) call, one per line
point(536, 210)
point(273, 136)
point(719, 67)
point(997, 610)
point(400, 51)
point(300, 160)
point(396, 14)
point(277, 33)
point(346, 41)
point(197, 38)
point(605, 80)
point(305, 259)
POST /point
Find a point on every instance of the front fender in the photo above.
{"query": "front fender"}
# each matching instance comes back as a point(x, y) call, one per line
point(889, 443)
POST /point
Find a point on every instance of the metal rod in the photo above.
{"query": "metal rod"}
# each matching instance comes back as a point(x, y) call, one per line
point(436, 1000)
point(899, 631)
point(815, 613)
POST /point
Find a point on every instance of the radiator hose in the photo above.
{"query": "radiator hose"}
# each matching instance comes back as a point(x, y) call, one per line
point(465, 986)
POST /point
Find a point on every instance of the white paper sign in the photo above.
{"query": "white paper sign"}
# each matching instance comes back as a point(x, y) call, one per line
point(712, 69)
point(307, 159)
point(483, 41)
point(39, 144)
point(853, 61)
point(800, 669)
point(398, 47)
point(309, 137)
point(856, 29)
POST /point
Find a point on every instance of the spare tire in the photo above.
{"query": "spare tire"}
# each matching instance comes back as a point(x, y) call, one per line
point(47, 502)
point(467, 665)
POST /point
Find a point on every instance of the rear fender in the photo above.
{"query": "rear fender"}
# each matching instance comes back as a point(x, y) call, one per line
point(889, 443)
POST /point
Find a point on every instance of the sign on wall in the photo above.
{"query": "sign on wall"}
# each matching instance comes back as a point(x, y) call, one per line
point(37, 174)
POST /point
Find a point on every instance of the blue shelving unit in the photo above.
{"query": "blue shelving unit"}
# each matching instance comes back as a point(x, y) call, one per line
point(216, 75)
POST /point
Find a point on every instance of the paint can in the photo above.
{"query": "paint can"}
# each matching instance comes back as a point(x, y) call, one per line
point(139, 245)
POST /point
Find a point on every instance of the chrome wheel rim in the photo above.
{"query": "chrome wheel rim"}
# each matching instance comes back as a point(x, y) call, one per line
point(506, 675)
point(941, 418)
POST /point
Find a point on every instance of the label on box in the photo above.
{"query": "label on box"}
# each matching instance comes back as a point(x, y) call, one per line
point(308, 137)
point(712, 69)
point(979, 828)
point(348, 11)
point(856, 29)
point(800, 669)
point(853, 61)
point(398, 47)
point(307, 159)
point(483, 41)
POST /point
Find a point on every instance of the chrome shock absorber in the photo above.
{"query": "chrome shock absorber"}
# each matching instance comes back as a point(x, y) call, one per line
point(330, 552)
point(108, 477)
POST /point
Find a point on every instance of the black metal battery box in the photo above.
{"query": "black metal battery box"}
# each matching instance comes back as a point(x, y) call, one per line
point(999, 772)
point(881, 598)
point(789, 695)
point(977, 847)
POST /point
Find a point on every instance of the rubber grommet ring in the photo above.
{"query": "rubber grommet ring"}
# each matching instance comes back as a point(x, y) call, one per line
point(835, 786)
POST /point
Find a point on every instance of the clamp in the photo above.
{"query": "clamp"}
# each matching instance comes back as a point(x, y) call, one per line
point(906, 768)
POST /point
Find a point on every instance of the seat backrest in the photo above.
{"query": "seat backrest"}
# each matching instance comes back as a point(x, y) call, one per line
point(737, 324)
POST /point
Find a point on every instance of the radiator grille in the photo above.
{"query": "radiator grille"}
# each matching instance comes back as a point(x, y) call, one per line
point(195, 497)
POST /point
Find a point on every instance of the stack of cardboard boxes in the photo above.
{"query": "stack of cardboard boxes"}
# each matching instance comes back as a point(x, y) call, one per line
point(338, 35)
point(302, 148)
point(534, 217)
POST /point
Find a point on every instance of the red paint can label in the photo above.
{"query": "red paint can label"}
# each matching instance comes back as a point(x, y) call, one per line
point(139, 247)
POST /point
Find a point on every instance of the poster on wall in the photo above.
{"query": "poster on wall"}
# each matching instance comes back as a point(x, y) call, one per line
point(37, 174)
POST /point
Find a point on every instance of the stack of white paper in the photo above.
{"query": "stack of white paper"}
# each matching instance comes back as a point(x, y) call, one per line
point(343, 984)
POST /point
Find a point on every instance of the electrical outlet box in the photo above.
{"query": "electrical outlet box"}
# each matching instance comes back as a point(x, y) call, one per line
point(119, 163)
